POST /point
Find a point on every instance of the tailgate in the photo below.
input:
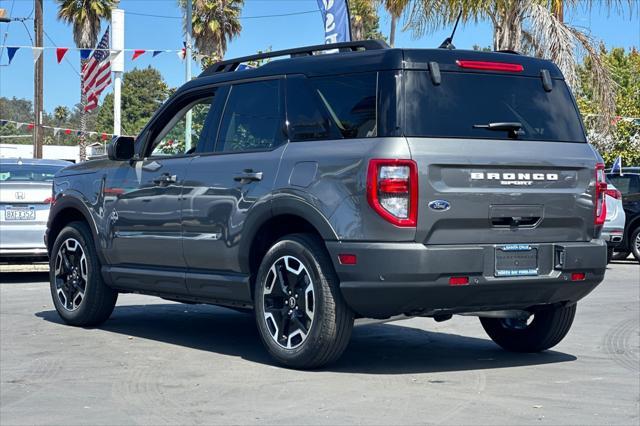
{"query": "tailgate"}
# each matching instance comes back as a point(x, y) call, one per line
point(499, 191)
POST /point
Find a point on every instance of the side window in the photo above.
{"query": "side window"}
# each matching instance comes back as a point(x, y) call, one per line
point(351, 102)
point(253, 117)
point(307, 118)
point(172, 140)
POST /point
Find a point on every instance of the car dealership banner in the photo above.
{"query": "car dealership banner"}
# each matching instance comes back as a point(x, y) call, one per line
point(335, 15)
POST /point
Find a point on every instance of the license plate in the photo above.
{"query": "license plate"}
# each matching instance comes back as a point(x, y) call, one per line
point(19, 213)
point(516, 260)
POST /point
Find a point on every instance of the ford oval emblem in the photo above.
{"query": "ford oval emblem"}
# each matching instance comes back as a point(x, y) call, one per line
point(440, 205)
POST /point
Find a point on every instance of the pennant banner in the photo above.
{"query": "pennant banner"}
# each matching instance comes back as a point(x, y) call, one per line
point(11, 52)
point(60, 52)
point(137, 53)
point(84, 54)
point(156, 53)
point(37, 52)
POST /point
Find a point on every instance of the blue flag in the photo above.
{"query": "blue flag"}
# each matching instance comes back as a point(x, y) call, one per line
point(617, 165)
point(11, 51)
point(335, 15)
point(84, 54)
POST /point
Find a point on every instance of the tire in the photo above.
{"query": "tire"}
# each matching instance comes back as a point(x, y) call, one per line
point(285, 299)
point(609, 254)
point(547, 329)
point(81, 299)
point(620, 255)
point(634, 243)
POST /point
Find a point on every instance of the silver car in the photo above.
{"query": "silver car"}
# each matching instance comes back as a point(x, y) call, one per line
point(25, 198)
point(613, 229)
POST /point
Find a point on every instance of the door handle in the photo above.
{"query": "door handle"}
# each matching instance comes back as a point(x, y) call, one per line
point(248, 175)
point(165, 179)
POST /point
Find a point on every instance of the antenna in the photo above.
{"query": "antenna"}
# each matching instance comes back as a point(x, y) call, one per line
point(448, 42)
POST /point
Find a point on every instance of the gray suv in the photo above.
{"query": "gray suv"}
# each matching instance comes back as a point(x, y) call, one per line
point(329, 186)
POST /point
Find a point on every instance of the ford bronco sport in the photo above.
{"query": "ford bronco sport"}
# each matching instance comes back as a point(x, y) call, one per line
point(319, 188)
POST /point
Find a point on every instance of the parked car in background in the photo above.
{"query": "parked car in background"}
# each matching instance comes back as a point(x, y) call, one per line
point(628, 183)
point(25, 198)
point(613, 229)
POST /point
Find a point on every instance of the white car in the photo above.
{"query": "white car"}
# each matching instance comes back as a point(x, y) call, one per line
point(25, 198)
point(613, 229)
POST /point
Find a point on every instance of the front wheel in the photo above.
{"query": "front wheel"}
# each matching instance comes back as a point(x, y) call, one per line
point(302, 318)
point(79, 294)
point(542, 330)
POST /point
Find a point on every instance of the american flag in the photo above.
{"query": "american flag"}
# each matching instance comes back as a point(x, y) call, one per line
point(96, 73)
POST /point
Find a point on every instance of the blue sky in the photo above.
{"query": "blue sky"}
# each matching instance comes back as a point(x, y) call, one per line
point(61, 84)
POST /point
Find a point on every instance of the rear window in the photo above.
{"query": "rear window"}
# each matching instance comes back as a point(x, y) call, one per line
point(27, 173)
point(462, 100)
point(626, 184)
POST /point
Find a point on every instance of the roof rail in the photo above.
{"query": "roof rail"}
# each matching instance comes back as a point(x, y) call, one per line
point(351, 46)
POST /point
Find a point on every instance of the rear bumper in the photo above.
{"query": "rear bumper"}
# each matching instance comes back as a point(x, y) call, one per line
point(411, 278)
point(22, 240)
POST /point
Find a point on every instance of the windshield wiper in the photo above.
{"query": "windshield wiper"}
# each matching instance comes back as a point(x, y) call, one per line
point(513, 127)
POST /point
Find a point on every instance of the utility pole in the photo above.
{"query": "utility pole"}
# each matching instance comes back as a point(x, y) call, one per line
point(187, 58)
point(38, 131)
point(117, 65)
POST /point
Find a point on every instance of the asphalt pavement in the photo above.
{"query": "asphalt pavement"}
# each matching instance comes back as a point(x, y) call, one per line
point(157, 362)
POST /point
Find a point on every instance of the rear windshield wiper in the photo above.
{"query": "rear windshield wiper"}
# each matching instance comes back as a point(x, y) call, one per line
point(513, 127)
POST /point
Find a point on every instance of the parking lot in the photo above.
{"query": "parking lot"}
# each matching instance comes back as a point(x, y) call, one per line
point(156, 362)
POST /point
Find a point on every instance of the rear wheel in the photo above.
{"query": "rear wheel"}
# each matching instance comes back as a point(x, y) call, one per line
point(620, 255)
point(301, 316)
point(635, 243)
point(542, 330)
point(79, 294)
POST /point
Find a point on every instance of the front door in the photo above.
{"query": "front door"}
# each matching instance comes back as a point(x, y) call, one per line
point(145, 220)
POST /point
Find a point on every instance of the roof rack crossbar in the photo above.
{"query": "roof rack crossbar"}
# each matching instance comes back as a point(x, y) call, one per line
point(352, 46)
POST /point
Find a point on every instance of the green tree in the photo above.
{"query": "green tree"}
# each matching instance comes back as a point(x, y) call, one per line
point(624, 140)
point(534, 27)
point(214, 24)
point(143, 91)
point(85, 18)
point(365, 22)
point(20, 110)
point(61, 114)
point(395, 8)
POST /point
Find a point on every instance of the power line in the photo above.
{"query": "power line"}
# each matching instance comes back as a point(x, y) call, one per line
point(242, 17)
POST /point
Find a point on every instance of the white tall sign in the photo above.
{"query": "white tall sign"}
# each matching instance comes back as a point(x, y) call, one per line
point(117, 65)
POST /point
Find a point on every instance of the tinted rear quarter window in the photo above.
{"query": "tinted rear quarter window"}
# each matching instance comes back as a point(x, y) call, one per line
point(465, 99)
point(350, 101)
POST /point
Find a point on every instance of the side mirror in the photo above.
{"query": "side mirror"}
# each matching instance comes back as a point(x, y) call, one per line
point(121, 148)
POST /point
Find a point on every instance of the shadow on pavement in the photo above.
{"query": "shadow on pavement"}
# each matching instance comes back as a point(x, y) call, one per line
point(375, 349)
point(24, 277)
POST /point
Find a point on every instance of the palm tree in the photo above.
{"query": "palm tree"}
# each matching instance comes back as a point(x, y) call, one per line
point(85, 17)
point(214, 24)
point(365, 20)
point(395, 8)
point(534, 27)
point(61, 114)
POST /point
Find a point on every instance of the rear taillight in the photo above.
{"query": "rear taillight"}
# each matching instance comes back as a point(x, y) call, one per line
point(601, 189)
point(614, 193)
point(392, 190)
point(490, 66)
point(48, 200)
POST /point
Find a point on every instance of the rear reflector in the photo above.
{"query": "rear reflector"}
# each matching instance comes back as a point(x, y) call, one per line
point(490, 66)
point(347, 259)
point(458, 280)
point(578, 276)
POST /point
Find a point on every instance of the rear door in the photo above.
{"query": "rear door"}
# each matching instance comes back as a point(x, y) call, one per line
point(484, 179)
point(226, 185)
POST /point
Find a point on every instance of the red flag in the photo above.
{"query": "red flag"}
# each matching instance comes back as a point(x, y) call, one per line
point(67, 131)
point(104, 136)
point(60, 52)
point(30, 126)
point(137, 53)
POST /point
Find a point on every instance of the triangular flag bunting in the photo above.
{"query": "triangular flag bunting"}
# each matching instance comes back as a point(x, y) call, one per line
point(79, 133)
point(55, 131)
point(67, 131)
point(37, 51)
point(84, 54)
point(137, 53)
point(11, 51)
point(181, 54)
point(30, 126)
point(19, 125)
point(113, 54)
point(104, 136)
point(60, 52)
point(157, 52)
point(3, 122)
